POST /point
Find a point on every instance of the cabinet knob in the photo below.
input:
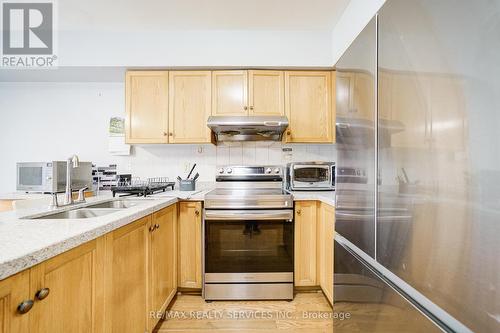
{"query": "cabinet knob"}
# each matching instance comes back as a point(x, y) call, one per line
point(157, 226)
point(251, 108)
point(197, 212)
point(299, 211)
point(42, 293)
point(152, 228)
point(25, 306)
point(165, 134)
point(288, 132)
point(171, 134)
point(245, 108)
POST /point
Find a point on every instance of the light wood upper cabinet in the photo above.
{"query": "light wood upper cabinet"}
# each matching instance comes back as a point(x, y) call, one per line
point(190, 105)
point(266, 93)
point(163, 260)
point(74, 281)
point(326, 233)
point(384, 95)
point(305, 243)
point(229, 93)
point(14, 291)
point(364, 96)
point(344, 93)
point(409, 107)
point(126, 282)
point(190, 274)
point(308, 106)
point(173, 107)
point(146, 99)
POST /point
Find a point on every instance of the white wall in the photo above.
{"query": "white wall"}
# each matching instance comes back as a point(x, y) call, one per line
point(242, 48)
point(355, 17)
point(51, 121)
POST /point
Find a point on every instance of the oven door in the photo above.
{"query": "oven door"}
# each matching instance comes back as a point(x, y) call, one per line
point(248, 246)
point(311, 177)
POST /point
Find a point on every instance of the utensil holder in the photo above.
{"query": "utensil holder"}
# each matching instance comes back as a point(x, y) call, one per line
point(187, 184)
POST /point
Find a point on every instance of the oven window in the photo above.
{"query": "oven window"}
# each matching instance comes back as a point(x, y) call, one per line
point(248, 246)
point(311, 175)
point(30, 176)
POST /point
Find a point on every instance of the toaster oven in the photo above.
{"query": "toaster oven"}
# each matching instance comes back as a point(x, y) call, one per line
point(311, 176)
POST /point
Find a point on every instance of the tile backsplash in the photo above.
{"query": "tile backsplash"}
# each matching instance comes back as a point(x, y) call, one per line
point(173, 160)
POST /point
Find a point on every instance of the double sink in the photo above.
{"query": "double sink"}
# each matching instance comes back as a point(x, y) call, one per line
point(93, 210)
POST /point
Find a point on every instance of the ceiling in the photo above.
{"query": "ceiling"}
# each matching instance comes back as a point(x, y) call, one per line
point(129, 15)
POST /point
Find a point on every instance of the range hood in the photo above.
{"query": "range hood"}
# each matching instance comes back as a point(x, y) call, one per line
point(354, 132)
point(244, 128)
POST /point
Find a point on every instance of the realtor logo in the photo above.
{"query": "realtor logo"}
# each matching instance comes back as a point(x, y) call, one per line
point(28, 34)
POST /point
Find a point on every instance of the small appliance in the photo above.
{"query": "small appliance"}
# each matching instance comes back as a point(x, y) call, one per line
point(311, 176)
point(50, 177)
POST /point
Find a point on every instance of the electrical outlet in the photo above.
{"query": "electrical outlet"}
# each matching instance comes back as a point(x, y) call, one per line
point(287, 153)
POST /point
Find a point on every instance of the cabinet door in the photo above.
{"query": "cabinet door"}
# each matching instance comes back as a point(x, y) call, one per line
point(364, 96)
point(74, 284)
point(146, 98)
point(163, 259)
point(344, 93)
point(229, 93)
point(305, 243)
point(190, 105)
point(126, 277)
point(326, 249)
point(385, 95)
point(190, 245)
point(266, 93)
point(14, 291)
point(308, 106)
point(446, 105)
point(409, 107)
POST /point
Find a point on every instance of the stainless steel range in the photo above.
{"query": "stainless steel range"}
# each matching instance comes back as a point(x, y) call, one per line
point(248, 235)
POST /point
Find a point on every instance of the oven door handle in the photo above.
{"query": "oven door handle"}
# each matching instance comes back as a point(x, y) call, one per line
point(242, 215)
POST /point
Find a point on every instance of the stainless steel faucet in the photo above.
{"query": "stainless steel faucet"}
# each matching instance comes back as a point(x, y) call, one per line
point(72, 161)
point(68, 195)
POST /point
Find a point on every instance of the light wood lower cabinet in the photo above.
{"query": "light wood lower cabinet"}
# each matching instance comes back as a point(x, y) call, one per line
point(6, 205)
point(163, 260)
point(305, 243)
point(190, 274)
point(14, 291)
point(314, 232)
point(65, 293)
point(126, 278)
point(115, 283)
point(326, 231)
point(74, 281)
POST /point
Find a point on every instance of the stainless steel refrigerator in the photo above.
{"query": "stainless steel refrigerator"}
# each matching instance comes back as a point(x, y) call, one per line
point(417, 247)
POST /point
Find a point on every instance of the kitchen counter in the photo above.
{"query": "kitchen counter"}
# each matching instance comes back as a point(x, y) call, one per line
point(327, 197)
point(27, 242)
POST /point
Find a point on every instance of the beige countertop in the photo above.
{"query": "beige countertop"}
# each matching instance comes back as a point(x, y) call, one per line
point(27, 242)
point(327, 197)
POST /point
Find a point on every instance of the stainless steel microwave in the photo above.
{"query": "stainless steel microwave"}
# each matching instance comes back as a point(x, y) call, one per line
point(50, 177)
point(311, 176)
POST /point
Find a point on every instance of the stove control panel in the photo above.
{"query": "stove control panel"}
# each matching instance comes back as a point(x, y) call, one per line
point(273, 172)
